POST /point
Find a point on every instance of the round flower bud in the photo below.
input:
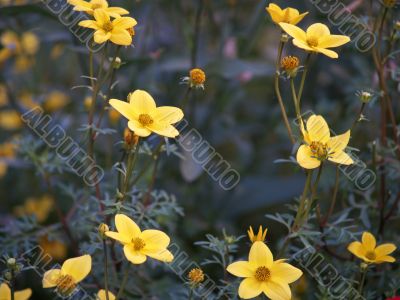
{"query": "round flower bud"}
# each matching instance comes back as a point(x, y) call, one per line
point(117, 63)
point(365, 97)
point(196, 276)
point(103, 228)
point(11, 263)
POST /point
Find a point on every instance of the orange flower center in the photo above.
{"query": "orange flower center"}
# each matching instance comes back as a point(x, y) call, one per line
point(312, 41)
point(108, 26)
point(196, 275)
point(145, 119)
point(65, 285)
point(138, 244)
point(262, 274)
point(197, 76)
point(370, 255)
point(319, 150)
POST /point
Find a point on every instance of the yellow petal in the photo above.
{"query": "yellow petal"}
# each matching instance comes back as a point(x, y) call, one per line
point(124, 108)
point(275, 12)
point(89, 24)
point(294, 31)
point(168, 114)
point(302, 44)
point(290, 15)
point(100, 36)
point(282, 272)
point(134, 257)
point(116, 12)
point(86, 9)
point(327, 52)
point(385, 249)
point(306, 158)
point(50, 278)
point(163, 255)
point(260, 255)
point(318, 129)
point(119, 237)
point(250, 288)
point(339, 143)
point(80, 3)
point(77, 267)
point(241, 269)
point(23, 295)
point(168, 131)
point(5, 292)
point(277, 291)
point(142, 102)
point(155, 239)
point(385, 258)
point(121, 37)
point(126, 226)
point(124, 22)
point(333, 41)
point(341, 158)
point(138, 128)
point(368, 241)
point(101, 295)
point(101, 17)
point(357, 249)
point(318, 30)
point(299, 18)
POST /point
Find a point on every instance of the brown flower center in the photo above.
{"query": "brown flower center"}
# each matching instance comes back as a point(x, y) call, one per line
point(370, 255)
point(319, 150)
point(312, 41)
point(108, 26)
point(145, 119)
point(262, 274)
point(138, 244)
point(65, 285)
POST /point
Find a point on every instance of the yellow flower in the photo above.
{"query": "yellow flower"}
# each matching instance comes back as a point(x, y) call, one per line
point(320, 146)
point(10, 120)
point(145, 117)
point(90, 6)
point(264, 275)
point(55, 101)
point(30, 43)
point(369, 253)
point(5, 293)
point(260, 235)
point(197, 78)
point(101, 295)
point(196, 276)
point(116, 30)
point(40, 208)
point(73, 271)
point(317, 38)
point(54, 248)
point(287, 15)
point(140, 244)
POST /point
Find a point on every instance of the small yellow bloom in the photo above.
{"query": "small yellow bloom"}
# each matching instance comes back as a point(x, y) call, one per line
point(55, 101)
point(145, 117)
point(40, 208)
point(196, 276)
point(101, 295)
point(287, 15)
point(317, 38)
point(260, 235)
point(140, 244)
point(10, 120)
point(90, 6)
point(73, 271)
point(5, 293)
point(54, 248)
point(369, 252)
point(113, 116)
point(264, 275)
point(116, 30)
point(320, 146)
point(197, 78)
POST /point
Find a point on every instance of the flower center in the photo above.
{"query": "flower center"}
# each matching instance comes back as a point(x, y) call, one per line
point(312, 41)
point(108, 26)
point(370, 255)
point(319, 150)
point(262, 274)
point(65, 285)
point(145, 119)
point(138, 244)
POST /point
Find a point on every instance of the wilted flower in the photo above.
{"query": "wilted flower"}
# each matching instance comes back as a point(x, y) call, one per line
point(264, 275)
point(5, 293)
point(290, 64)
point(90, 6)
point(56, 249)
point(73, 271)
point(369, 252)
point(140, 244)
point(260, 235)
point(317, 38)
point(130, 137)
point(287, 15)
point(196, 276)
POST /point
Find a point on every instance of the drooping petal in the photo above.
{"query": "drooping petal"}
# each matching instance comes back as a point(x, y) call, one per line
point(306, 158)
point(138, 128)
point(121, 37)
point(124, 22)
point(299, 18)
point(89, 24)
point(250, 288)
point(341, 158)
point(327, 52)
point(368, 241)
point(283, 272)
point(294, 31)
point(5, 291)
point(357, 249)
point(126, 226)
point(318, 129)
point(77, 267)
point(339, 143)
point(155, 239)
point(260, 255)
point(100, 36)
point(303, 45)
point(101, 295)
point(124, 108)
point(23, 295)
point(134, 257)
point(168, 114)
point(163, 255)
point(275, 12)
point(385, 258)
point(50, 278)
point(241, 269)
point(142, 102)
point(118, 237)
point(277, 291)
point(318, 30)
point(385, 249)
point(168, 131)
point(333, 40)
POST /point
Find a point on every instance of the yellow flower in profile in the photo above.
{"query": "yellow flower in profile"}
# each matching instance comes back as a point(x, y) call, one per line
point(56, 249)
point(73, 271)
point(317, 38)
point(140, 244)
point(369, 252)
point(90, 6)
point(5, 293)
point(55, 101)
point(260, 235)
point(264, 275)
point(10, 120)
point(39, 207)
point(287, 15)
point(145, 117)
point(320, 146)
point(116, 30)
point(101, 295)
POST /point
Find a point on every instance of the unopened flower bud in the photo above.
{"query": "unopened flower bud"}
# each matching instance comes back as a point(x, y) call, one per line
point(117, 63)
point(8, 276)
point(103, 228)
point(130, 138)
point(365, 97)
point(11, 263)
point(284, 38)
point(397, 26)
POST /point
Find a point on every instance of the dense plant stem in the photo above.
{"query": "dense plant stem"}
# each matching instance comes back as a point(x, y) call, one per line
point(132, 158)
point(105, 269)
point(334, 197)
point(123, 283)
point(12, 281)
point(303, 79)
point(295, 101)
point(364, 271)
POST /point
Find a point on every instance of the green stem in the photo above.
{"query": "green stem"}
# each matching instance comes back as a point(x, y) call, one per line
point(362, 281)
point(358, 117)
point(124, 281)
point(132, 158)
point(334, 197)
point(105, 269)
point(190, 294)
point(295, 101)
point(303, 79)
point(12, 285)
point(303, 202)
